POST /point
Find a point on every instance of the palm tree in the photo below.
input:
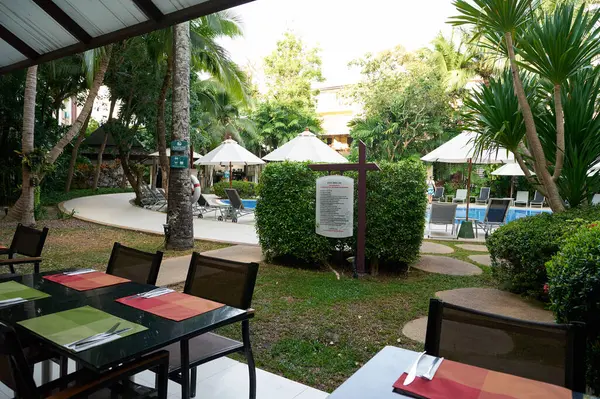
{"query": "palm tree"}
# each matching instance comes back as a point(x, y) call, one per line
point(455, 62)
point(207, 56)
point(554, 47)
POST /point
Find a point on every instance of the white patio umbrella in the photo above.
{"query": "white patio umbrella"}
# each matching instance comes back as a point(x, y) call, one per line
point(229, 152)
point(510, 169)
point(305, 147)
point(462, 149)
point(155, 154)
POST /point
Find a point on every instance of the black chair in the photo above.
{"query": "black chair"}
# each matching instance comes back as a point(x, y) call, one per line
point(28, 242)
point(552, 353)
point(438, 194)
point(237, 208)
point(227, 282)
point(17, 373)
point(141, 267)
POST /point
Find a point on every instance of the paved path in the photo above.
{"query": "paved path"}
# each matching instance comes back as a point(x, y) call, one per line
point(473, 247)
point(117, 211)
point(482, 259)
point(446, 265)
point(428, 247)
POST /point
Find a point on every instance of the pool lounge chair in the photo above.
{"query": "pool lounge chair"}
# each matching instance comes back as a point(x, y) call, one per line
point(596, 199)
point(442, 214)
point(461, 195)
point(236, 206)
point(484, 196)
point(438, 195)
point(522, 198)
point(495, 215)
point(207, 203)
point(538, 200)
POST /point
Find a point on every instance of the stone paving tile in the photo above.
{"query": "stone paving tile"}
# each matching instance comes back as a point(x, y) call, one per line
point(473, 247)
point(482, 259)
point(428, 247)
point(446, 265)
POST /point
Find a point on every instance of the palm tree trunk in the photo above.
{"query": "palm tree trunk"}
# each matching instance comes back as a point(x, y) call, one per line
point(23, 209)
point(98, 167)
point(560, 133)
point(87, 108)
point(74, 153)
point(533, 141)
point(161, 129)
point(179, 208)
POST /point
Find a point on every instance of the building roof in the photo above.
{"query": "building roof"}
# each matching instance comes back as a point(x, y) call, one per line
point(97, 137)
point(36, 31)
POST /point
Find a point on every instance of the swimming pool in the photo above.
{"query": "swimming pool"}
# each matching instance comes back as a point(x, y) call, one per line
point(478, 212)
point(248, 203)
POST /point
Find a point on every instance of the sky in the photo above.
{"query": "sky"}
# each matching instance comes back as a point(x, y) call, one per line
point(343, 29)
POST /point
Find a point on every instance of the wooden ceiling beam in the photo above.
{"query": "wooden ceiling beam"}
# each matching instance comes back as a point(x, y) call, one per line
point(149, 9)
point(64, 20)
point(18, 44)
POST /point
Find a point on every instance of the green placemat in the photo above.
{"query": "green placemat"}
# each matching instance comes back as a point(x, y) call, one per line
point(12, 289)
point(75, 324)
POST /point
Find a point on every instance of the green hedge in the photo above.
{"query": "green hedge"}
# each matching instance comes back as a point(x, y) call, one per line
point(574, 288)
point(396, 203)
point(245, 189)
point(520, 249)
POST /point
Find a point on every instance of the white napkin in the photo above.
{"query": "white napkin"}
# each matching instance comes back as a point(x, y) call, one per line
point(424, 365)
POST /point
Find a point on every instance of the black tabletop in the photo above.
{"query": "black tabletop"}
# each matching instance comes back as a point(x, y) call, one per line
point(160, 332)
point(375, 379)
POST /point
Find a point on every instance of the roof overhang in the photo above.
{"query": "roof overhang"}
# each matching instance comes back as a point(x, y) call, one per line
point(37, 31)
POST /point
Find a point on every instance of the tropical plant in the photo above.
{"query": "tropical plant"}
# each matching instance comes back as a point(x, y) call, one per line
point(554, 46)
point(455, 62)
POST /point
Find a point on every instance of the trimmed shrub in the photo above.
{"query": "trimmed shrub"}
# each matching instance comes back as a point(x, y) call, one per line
point(574, 289)
point(246, 189)
point(396, 203)
point(396, 206)
point(285, 213)
point(520, 249)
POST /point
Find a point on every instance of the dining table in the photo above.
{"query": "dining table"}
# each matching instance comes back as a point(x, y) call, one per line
point(374, 380)
point(159, 331)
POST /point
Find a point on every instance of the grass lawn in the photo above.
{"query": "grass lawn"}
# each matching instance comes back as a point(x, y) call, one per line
point(309, 326)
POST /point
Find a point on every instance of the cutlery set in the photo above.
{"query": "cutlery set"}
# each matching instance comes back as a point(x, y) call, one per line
point(97, 339)
point(413, 371)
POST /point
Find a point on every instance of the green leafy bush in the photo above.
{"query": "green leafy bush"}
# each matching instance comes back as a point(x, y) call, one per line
point(520, 249)
point(245, 189)
point(396, 207)
point(285, 213)
point(574, 289)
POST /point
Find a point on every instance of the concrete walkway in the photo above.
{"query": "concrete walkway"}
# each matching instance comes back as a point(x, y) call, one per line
point(116, 210)
point(446, 265)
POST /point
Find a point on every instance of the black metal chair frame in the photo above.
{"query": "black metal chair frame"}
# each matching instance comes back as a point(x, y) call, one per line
point(186, 374)
point(86, 381)
point(575, 365)
point(12, 250)
point(154, 269)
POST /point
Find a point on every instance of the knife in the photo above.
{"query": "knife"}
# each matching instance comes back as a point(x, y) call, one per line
point(412, 373)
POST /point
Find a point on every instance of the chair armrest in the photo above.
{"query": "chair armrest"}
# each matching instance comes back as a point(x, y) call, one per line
point(18, 261)
point(95, 382)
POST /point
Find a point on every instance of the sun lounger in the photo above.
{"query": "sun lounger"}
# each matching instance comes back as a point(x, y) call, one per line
point(484, 196)
point(522, 198)
point(538, 200)
point(444, 214)
point(237, 209)
point(495, 215)
point(207, 203)
point(461, 195)
point(438, 194)
point(596, 199)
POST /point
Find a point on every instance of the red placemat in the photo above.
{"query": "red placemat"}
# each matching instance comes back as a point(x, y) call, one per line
point(457, 380)
point(86, 281)
point(174, 306)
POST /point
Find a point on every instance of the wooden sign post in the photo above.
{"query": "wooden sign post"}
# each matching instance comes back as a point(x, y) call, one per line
point(362, 167)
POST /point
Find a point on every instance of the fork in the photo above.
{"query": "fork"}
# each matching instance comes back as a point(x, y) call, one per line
point(91, 337)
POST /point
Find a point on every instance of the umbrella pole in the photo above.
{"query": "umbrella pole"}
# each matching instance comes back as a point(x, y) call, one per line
point(466, 227)
point(230, 176)
point(469, 187)
point(512, 185)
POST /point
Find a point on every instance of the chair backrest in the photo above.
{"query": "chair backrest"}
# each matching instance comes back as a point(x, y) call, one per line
point(15, 372)
point(234, 198)
point(439, 192)
point(596, 199)
point(497, 210)
point(28, 241)
point(141, 267)
point(553, 353)
point(221, 280)
point(443, 213)
point(484, 194)
point(538, 197)
point(461, 193)
point(522, 196)
point(202, 201)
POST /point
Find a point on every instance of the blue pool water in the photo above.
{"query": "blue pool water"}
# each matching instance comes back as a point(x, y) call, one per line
point(479, 213)
point(248, 203)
